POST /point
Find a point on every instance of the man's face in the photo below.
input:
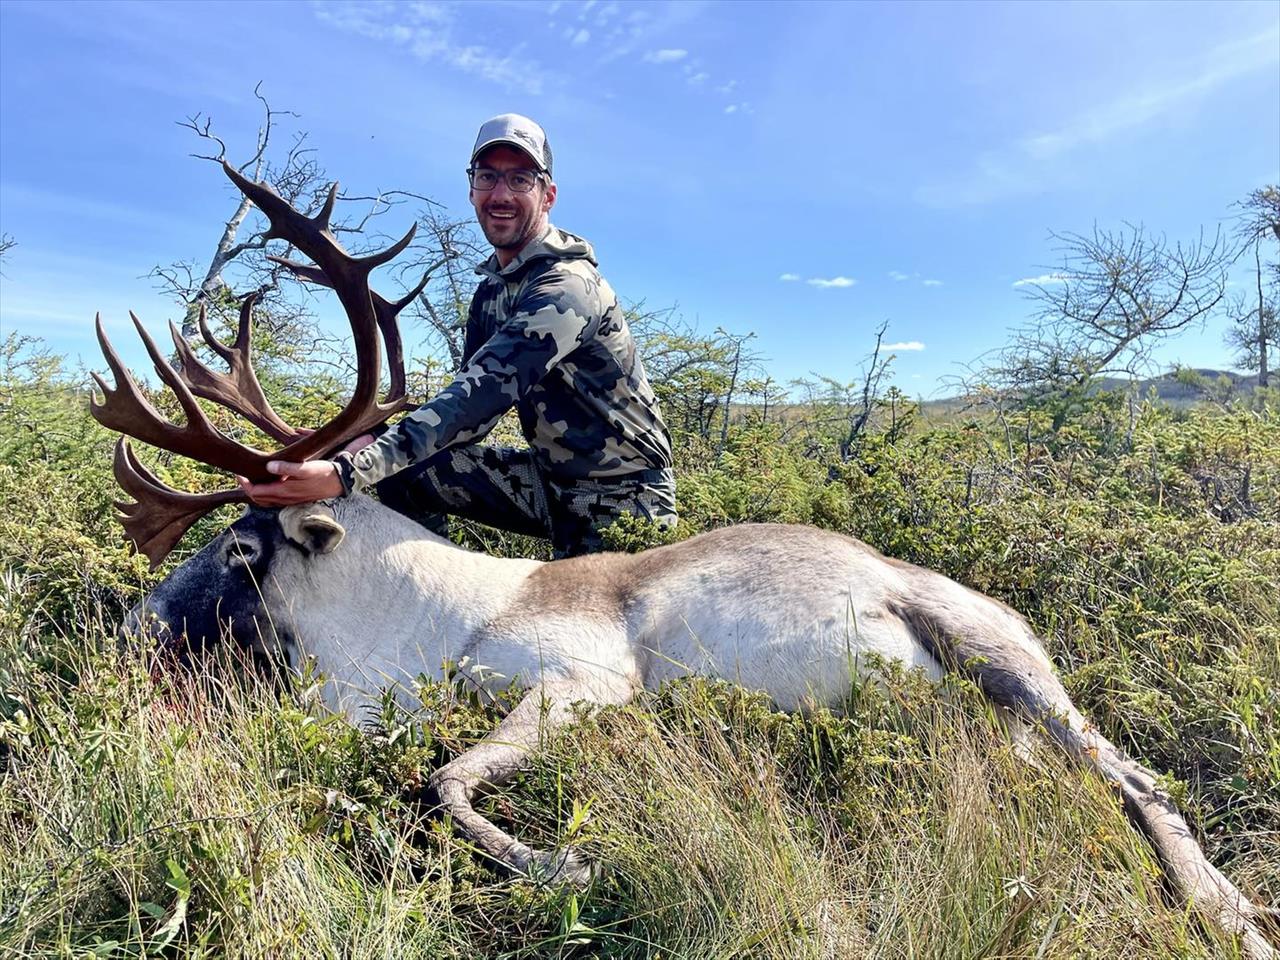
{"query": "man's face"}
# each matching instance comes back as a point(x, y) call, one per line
point(510, 219)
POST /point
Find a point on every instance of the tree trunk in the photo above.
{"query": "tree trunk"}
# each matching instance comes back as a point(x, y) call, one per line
point(213, 282)
point(1262, 319)
point(728, 401)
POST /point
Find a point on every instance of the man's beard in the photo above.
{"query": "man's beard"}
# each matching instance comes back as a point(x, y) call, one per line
point(511, 234)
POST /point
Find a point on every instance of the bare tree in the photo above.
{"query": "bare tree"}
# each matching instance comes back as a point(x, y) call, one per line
point(1254, 328)
point(1114, 297)
point(292, 170)
point(849, 408)
point(1260, 214)
point(766, 395)
point(696, 376)
point(1254, 332)
point(447, 251)
point(7, 243)
point(736, 367)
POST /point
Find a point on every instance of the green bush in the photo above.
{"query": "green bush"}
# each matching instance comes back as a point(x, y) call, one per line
point(202, 817)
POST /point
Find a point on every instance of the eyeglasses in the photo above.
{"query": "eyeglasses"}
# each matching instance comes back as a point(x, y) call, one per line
point(518, 181)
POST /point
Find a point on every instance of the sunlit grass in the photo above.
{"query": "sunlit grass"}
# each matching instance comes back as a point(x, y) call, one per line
point(201, 817)
point(220, 817)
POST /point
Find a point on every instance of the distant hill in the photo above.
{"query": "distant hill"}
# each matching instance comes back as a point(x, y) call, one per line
point(1179, 392)
point(1169, 388)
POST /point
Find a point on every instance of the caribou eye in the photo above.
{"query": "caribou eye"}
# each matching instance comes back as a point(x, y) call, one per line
point(241, 552)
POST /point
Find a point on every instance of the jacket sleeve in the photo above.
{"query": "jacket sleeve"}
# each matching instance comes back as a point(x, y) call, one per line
point(473, 334)
point(551, 320)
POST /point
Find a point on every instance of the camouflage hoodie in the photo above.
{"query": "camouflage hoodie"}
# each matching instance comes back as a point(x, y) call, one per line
point(547, 335)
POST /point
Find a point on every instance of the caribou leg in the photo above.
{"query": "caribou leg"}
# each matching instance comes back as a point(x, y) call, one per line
point(993, 651)
point(499, 757)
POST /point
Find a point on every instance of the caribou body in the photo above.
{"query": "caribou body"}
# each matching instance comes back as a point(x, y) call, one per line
point(797, 612)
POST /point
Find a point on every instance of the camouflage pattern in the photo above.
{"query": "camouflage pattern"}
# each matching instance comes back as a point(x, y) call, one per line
point(546, 335)
point(504, 487)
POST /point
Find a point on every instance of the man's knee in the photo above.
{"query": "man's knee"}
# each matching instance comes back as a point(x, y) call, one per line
point(589, 508)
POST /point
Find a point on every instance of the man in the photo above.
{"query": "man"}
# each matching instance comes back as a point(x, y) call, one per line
point(545, 334)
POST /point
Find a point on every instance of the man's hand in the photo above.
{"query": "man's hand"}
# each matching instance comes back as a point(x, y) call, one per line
point(301, 483)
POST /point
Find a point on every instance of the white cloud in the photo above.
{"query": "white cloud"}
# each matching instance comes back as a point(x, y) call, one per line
point(731, 108)
point(727, 88)
point(426, 31)
point(1222, 64)
point(698, 78)
point(665, 56)
point(933, 283)
point(833, 282)
point(1040, 281)
point(554, 8)
point(789, 276)
point(430, 11)
point(1022, 165)
point(904, 345)
point(581, 37)
point(897, 276)
point(647, 26)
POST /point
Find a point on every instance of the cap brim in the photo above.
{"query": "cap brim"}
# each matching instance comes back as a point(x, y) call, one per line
point(508, 142)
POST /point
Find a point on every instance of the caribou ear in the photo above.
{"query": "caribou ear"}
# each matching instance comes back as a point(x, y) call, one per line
point(312, 526)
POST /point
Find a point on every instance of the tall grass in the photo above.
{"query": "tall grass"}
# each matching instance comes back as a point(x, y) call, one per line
point(204, 817)
point(218, 815)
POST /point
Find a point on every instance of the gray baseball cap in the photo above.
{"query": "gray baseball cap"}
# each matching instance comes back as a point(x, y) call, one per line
point(516, 131)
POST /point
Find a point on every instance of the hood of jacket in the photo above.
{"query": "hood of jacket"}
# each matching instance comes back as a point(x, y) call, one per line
point(554, 244)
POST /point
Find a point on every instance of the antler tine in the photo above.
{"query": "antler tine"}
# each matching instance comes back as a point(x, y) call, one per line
point(349, 277)
point(387, 322)
point(387, 312)
point(126, 410)
point(161, 515)
point(303, 271)
point(243, 329)
point(105, 413)
point(240, 391)
point(371, 261)
point(311, 235)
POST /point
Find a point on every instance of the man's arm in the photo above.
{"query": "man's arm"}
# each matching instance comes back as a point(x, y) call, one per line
point(553, 318)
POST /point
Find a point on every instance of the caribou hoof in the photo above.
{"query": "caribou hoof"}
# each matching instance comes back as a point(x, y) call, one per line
point(556, 867)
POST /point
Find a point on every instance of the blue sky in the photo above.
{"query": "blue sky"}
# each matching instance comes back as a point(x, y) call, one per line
point(901, 162)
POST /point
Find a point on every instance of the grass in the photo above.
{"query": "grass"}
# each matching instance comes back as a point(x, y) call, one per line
point(214, 817)
point(200, 817)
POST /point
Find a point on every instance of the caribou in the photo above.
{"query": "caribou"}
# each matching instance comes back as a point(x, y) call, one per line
point(373, 599)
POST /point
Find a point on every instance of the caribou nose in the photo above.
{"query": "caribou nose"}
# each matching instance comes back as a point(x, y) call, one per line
point(144, 624)
point(129, 632)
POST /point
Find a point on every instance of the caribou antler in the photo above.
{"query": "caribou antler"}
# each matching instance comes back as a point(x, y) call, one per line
point(240, 391)
point(387, 312)
point(161, 514)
